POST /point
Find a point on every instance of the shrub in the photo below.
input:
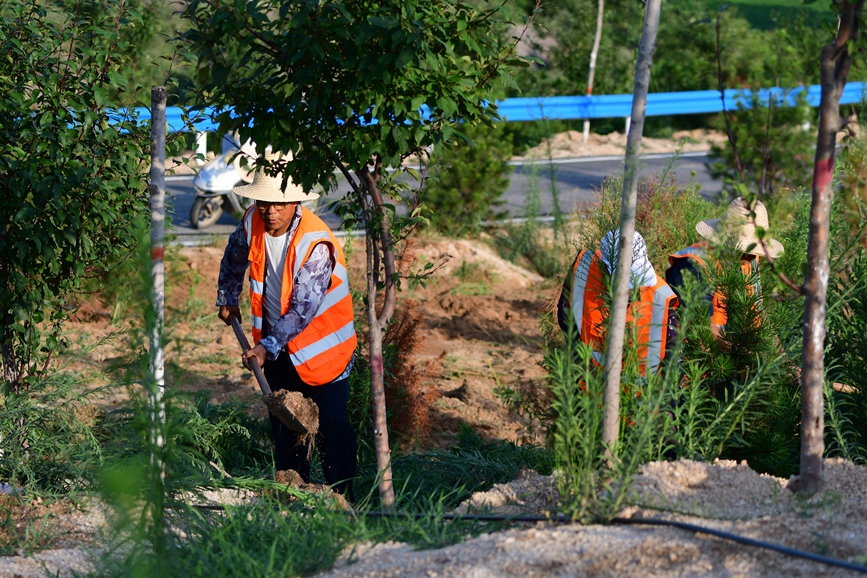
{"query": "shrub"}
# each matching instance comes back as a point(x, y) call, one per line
point(47, 443)
point(70, 182)
point(665, 216)
point(409, 389)
point(467, 180)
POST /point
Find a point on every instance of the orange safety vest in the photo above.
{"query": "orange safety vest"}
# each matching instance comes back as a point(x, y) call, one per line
point(649, 314)
point(750, 268)
point(323, 349)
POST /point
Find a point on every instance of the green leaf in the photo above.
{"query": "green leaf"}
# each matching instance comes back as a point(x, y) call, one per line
point(382, 21)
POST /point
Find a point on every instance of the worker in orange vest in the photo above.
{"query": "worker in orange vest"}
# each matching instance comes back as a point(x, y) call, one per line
point(303, 326)
point(651, 312)
point(736, 224)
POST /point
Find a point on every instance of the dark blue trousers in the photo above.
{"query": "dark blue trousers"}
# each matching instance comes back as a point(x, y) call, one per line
point(335, 441)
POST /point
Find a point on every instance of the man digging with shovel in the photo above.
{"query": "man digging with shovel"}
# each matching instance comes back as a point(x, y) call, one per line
point(303, 326)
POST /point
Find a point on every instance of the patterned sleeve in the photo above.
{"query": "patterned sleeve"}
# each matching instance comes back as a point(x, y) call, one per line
point(310, 285)
point(232, 268)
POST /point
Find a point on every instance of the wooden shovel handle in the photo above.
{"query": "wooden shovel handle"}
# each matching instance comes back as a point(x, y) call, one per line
point(254, 363)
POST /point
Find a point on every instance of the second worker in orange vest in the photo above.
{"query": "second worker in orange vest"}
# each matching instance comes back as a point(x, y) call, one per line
point(651, 315)
point(303, 325)
point(737, 225)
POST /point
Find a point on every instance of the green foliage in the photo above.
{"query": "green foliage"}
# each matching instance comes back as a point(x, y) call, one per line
point(665, 216)
point(143, 41)
point(46, 441)
point(784, 155)
point(345, 81)
point(751, 56)
point(593, 488)
point(466, 182)
point(70, 183)
point(262, 540)
point(448, 477)
point(525, 243)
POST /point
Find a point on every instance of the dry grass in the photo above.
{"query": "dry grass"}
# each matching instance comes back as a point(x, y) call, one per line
point(409, 387)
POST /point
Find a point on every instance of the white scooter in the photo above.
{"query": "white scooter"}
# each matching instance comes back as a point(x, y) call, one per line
point(216, 180)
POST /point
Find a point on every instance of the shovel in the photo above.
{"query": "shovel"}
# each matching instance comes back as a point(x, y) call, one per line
point(297, 412)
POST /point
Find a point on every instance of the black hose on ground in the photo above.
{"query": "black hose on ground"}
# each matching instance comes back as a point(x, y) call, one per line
point(647, 522)
point(748, 541)
point(624, 521)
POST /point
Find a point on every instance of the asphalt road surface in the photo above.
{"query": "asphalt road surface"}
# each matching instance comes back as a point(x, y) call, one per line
point(577, 182)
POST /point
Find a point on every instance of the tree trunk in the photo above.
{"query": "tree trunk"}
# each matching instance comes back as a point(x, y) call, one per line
point(835, 64)
point(617, 328)
point(593, 53)
point(379, 243)
point(155, 321)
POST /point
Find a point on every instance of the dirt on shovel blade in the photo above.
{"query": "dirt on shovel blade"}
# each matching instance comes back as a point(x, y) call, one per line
point(299, 413)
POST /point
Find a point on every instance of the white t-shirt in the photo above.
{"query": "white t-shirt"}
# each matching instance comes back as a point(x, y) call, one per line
point(275, 260)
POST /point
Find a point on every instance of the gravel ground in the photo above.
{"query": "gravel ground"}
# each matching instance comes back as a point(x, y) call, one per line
point(725, 496)
point(728, 496)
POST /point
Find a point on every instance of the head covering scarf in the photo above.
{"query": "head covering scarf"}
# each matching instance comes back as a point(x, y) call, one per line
point(642, 273)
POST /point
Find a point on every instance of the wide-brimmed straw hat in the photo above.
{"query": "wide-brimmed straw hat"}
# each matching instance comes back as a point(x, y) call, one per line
point(737, 223)
point(270, 188)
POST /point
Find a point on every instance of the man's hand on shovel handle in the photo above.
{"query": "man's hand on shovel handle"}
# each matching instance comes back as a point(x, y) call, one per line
point(229, 311)
point(258, 352)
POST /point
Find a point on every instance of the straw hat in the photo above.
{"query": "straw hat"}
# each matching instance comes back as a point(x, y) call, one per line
point(739, 225)
point(270, 188)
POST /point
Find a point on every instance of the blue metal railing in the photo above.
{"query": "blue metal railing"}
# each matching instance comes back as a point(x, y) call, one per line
point(661, 103)
point(602, 106)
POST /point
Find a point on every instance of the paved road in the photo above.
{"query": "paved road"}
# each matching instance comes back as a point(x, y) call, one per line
point(577, 182)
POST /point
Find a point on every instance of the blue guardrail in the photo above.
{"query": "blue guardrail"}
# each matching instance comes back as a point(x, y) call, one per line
point(602, 106)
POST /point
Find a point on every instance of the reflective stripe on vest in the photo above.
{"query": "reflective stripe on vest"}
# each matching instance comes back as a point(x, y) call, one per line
point(662, 300)
point(579, 284)
point(649, 315)
point(323, 349)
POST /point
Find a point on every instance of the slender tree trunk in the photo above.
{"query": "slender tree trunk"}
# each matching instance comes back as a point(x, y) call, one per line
point(379, 243)
point(593, 53)
point(156, 385)
point(835, 64)
point(617, 328)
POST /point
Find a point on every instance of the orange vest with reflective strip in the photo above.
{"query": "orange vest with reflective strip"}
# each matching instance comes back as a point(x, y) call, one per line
point(648, 316)
point(698, 253)
point(324, 348)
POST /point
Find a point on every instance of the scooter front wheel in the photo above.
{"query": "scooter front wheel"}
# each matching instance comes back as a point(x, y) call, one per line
point(205, 211)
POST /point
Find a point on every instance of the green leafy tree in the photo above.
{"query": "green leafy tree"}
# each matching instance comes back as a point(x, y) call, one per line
point(773, 145)
point(147, 41)
point(685, 52)
point(71, 181)
point(341, 84)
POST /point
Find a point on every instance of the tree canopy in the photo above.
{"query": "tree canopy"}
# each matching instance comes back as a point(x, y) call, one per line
point(70, 181)
point(339, 81)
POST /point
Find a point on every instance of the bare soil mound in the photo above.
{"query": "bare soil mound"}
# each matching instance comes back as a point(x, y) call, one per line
point(741, 501)
point(571, 144)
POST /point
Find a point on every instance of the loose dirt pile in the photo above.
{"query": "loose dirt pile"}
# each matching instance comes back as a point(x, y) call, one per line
point(571, 144)
point(293, 479)
point(736, 499)
point(299, 413)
